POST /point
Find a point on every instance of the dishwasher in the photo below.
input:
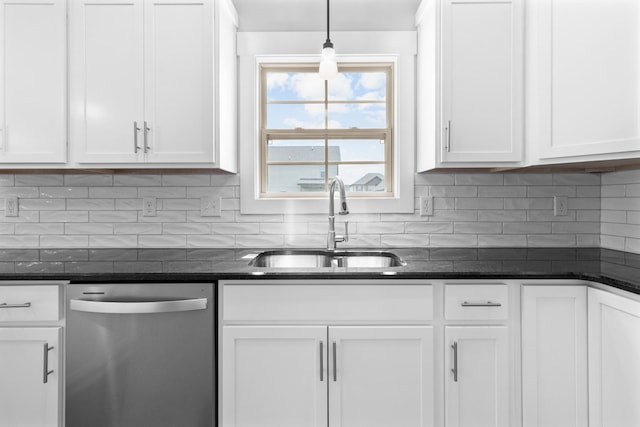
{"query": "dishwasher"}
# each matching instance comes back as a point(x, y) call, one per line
point(140, 355)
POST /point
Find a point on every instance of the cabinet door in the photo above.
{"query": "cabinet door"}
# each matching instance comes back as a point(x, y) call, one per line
point(33, 76)
point(477, 369)
point(27, 399)
point(106, 76)
point(554, 356)
point(381, 376)
point(614, 355)
point(585, 62)
point(482, 81)
point(274, 376)
point(179, 81)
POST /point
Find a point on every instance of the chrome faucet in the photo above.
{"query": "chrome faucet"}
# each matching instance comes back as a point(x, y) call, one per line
point(332, 239)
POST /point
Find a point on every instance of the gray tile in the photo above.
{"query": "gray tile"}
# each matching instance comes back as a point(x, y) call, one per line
point(64, 255)
point(39, 267)
point(36, 180)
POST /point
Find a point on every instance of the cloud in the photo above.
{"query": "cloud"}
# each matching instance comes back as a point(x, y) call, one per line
point(372, 80)
point(277, 80)
point(307, 86)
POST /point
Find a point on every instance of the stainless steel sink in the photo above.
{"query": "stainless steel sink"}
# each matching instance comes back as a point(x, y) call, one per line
point(317, 259)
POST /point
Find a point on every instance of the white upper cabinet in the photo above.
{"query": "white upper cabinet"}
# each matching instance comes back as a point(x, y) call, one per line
point(583, 84)
point(178, 81)
point(145, 82)
point(106, 80)
point(33, 81)
point(470, 110)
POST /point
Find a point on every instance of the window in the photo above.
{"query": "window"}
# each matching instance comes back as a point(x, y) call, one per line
point(312, 130)
point(376, 158)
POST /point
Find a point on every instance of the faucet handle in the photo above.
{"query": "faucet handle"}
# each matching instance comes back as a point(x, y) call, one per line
point(345, 238)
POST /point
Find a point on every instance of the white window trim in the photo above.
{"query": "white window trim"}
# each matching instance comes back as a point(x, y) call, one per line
point(388, 46)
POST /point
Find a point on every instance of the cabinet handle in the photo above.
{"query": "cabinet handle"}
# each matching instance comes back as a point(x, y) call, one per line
point(480, 304)
point(25, 305)
point(136, 129)
point(46, 371)
point(448, 141)
point(146, 137)
point(321, 361)
point(335, 362)
point(454, 346)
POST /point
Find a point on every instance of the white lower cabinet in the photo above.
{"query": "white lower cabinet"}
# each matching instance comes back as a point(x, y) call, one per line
point(477, 383)
point(275, 376)
point(300, 375)
point(31, 356)
point(614, 360)
point(381, 376)
point(318, 353)
point(30, 368)
point(554, 356)
point(467, 353)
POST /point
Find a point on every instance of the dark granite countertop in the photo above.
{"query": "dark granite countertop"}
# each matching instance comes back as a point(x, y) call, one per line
point(615, 268)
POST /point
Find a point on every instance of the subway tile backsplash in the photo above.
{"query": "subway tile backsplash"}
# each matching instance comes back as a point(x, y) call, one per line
point(470, 209)
point(620, 211)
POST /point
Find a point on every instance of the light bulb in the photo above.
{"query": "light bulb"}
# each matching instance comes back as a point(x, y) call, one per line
point(328, 64)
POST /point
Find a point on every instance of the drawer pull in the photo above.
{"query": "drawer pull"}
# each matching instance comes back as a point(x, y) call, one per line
point(46, 372)
point(481, 304)
point(25, 305)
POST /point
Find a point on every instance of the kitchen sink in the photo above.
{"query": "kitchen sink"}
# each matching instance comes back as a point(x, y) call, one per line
point(319, 258)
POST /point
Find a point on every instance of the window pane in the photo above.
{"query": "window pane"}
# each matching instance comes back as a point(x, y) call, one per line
point(294, 86)
point(363, 178)
point(358, 149)
point(287, 150)
point(298, 178)
point(359, 85)
point(363, 116)
point(291, 116)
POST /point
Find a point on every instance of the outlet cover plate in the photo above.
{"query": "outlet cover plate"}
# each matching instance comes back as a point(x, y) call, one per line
point(560, 206)
point(11, 206)
point(148, 206)
point(426, 206)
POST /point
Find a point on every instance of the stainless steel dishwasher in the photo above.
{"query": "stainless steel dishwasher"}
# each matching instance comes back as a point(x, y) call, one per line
point(140, 355)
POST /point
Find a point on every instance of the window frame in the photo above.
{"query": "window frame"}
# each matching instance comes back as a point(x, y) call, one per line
point(253, 48)
point(327, 134)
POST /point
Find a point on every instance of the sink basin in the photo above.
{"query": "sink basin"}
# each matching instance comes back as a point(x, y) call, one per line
point(317, 259)
point(291, 259)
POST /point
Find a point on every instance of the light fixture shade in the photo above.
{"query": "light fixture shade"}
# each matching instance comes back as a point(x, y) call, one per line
point(328, 64)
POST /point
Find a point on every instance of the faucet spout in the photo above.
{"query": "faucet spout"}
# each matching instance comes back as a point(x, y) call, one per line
point(332, 239)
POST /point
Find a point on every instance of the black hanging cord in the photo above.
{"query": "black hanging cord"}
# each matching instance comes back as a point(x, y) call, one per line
point(328, 42)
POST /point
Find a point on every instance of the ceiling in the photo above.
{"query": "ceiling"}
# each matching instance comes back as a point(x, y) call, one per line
point(310, 15)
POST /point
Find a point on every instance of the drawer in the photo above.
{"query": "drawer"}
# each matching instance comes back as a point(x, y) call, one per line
point(476, 302)
point(29, 303)
point(327, 303)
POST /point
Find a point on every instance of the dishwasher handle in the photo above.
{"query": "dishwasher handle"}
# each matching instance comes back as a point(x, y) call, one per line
point(137, 307)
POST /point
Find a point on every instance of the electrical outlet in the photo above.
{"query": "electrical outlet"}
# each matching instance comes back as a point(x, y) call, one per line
point(560, 205)
point(210, 205)
point(11, 206)
point(148, 206)
point(426, 206)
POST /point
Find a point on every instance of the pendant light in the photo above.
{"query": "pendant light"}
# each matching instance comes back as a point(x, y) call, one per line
point(328, 64)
